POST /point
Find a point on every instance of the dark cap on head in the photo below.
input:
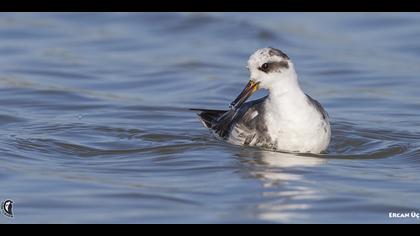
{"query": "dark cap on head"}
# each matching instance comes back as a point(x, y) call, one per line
point(277, 52)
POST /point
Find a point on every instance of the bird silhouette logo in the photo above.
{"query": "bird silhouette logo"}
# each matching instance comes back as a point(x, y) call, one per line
point(7, 207)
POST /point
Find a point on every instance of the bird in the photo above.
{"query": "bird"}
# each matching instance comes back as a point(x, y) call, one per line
point(285, 120)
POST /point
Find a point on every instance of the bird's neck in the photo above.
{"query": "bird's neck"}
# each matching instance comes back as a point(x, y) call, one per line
point(287, 99)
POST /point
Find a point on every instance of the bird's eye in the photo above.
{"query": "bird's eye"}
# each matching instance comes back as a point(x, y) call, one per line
point(264, 66)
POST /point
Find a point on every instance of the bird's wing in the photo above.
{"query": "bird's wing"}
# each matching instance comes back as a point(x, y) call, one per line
point(249, 128)
point(209, 117)
point(221, 121)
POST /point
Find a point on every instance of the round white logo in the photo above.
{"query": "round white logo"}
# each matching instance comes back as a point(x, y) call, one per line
point(7, 208)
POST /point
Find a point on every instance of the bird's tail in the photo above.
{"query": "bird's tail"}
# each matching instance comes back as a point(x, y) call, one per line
point(209, 117)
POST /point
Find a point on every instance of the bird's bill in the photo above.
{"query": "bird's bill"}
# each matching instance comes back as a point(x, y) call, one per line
point(249, 89)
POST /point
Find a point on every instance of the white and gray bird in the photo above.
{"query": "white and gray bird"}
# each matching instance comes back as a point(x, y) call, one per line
point(286, 119)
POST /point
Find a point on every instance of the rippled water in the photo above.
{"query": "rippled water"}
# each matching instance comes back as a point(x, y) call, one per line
point(95, 125)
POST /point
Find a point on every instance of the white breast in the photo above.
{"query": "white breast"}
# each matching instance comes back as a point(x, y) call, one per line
point(297, 127)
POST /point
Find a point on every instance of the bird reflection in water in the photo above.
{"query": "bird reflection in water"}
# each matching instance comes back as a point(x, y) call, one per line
point(287, 190)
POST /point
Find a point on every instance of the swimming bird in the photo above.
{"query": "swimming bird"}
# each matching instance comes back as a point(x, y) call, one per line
point(286, 120)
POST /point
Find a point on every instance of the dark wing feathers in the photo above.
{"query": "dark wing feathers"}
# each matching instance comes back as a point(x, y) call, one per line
point(221, 121)
point(209, 117)
point(216, 120)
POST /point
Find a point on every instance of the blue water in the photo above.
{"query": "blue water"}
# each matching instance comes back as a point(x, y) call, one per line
point(95, 127)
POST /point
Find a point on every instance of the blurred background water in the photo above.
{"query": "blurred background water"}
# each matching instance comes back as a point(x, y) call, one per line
point(95, 127)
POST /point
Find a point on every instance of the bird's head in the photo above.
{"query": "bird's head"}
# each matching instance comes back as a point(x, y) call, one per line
point(269, 68)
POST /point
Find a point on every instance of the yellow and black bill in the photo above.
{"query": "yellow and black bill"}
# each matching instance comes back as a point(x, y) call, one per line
point(249, 89)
